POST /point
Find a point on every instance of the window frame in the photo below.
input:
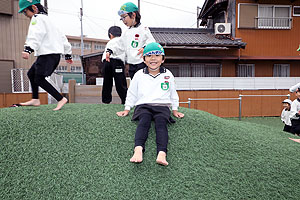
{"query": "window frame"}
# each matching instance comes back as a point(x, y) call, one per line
point(281, 65)
point(296, 15)
point(245, 64)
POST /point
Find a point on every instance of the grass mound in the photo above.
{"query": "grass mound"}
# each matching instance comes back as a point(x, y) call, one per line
point(83, 152)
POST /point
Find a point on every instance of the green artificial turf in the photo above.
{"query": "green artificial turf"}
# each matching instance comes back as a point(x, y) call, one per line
point(274, 122)
point(83, 152)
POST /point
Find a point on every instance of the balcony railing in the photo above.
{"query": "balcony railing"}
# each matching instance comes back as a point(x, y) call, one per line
point(273, 22)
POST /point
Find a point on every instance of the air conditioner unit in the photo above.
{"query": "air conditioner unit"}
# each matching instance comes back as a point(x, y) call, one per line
point(222, 28)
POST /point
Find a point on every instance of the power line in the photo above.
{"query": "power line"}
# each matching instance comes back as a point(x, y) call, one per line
point(170, 7)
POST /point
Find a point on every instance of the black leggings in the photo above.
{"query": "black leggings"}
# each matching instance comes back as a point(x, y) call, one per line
point(43, 67)
point(161, 129)
point(134, 68)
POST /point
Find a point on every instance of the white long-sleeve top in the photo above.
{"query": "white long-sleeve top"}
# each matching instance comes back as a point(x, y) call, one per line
point(146, 89)
point(131, 41)
point(295, 108)
point(45, 38)
point(112, 44)
point(285, 117)
point(295, 87)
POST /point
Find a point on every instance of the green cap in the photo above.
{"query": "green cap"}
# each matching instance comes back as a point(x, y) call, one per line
point(153, 48)
point(25, 3)
point(127, 8)
point(298, 48)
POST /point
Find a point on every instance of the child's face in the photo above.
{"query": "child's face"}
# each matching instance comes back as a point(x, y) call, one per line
point(154, 61)
point(287, 106)
point(30, 14)
point(127, 20)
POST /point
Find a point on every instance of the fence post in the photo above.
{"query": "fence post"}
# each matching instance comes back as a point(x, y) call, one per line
point(240, 107)
point(189, 102)
point(72, 84)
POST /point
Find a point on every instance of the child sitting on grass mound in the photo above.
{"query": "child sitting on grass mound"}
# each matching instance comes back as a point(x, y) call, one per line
point(152, 90)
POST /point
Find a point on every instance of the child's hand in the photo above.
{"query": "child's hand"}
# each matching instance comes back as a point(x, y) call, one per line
point(70, 61)
point(107, 58)
point(141, 50)
point(25, 55)
point(123, 113)
point(178, 114)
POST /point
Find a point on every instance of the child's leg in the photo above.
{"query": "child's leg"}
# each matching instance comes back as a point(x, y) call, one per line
point(107, 82)
point(141, 136)
point(35, 89)
point(161, 140)
point(120, 81)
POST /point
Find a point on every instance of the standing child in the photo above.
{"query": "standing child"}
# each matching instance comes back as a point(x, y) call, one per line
point(47, 43)
point(134, 39)
point(114, 69)
point(295, 115)
point(152, 90)
point(285, 115)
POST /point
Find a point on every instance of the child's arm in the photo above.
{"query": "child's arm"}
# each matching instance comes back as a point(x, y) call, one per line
point(295, 87)
point(36, 33)
point(149, 39)
point(131, 97)
point(174, 98)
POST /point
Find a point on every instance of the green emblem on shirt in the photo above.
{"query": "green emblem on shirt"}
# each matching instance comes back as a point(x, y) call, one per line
point(165, 86)
point(134, 44)
point(34, 22)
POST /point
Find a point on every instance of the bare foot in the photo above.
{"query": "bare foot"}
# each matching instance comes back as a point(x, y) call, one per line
point(138, 155)
point(32, 102)
point(161, 158)
point(61, 103)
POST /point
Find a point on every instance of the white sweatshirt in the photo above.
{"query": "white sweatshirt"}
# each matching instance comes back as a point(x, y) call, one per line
point(295, 87)
point(131, 41)
point(295, 108)
point(44, 38)
point(146, 89)
point(285, 117)
point(112, 44)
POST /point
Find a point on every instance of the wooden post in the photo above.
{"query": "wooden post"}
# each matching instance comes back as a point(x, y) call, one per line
point(72, 84)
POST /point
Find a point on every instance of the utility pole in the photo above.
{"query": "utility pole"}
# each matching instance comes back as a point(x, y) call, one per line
point(82, 44)
point(46, 4)
point(198, 13)
point(139, 6)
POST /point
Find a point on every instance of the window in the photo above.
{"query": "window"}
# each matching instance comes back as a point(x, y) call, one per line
point(75, 69)
point(195, 70)
point(274, 17)
point(87, 46)
point(247, 15)
point(296, 11)
point(264, 16)
point(61, 68)
point(246, 70)
point(99, 47)
point(75, 45)
point(75, 57)
point(281, 70)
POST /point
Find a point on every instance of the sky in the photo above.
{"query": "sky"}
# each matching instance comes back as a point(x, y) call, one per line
point(99, 15)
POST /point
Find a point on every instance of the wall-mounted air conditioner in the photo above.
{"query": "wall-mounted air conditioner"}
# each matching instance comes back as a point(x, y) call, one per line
point(222, 28)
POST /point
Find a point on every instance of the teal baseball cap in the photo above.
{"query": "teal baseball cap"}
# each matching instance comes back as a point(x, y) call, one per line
point(298, 48)
point(25, 3)
point(153, 48)
point(127, 8)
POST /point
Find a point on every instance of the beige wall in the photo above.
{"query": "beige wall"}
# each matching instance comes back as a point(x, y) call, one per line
point(13, 31)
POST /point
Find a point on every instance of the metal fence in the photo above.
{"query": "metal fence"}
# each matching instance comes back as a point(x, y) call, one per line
point(20, 81)
point(239, 99)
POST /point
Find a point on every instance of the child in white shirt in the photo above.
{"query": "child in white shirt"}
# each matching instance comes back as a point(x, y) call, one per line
point(285, 115)
point(152, 90)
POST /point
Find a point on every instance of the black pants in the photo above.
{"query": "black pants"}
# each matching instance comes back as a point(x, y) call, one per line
point(295, 126)
point(134, 68)
point(287, 128)
point(43, 66)
point(114, 69)
point(161, 116)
